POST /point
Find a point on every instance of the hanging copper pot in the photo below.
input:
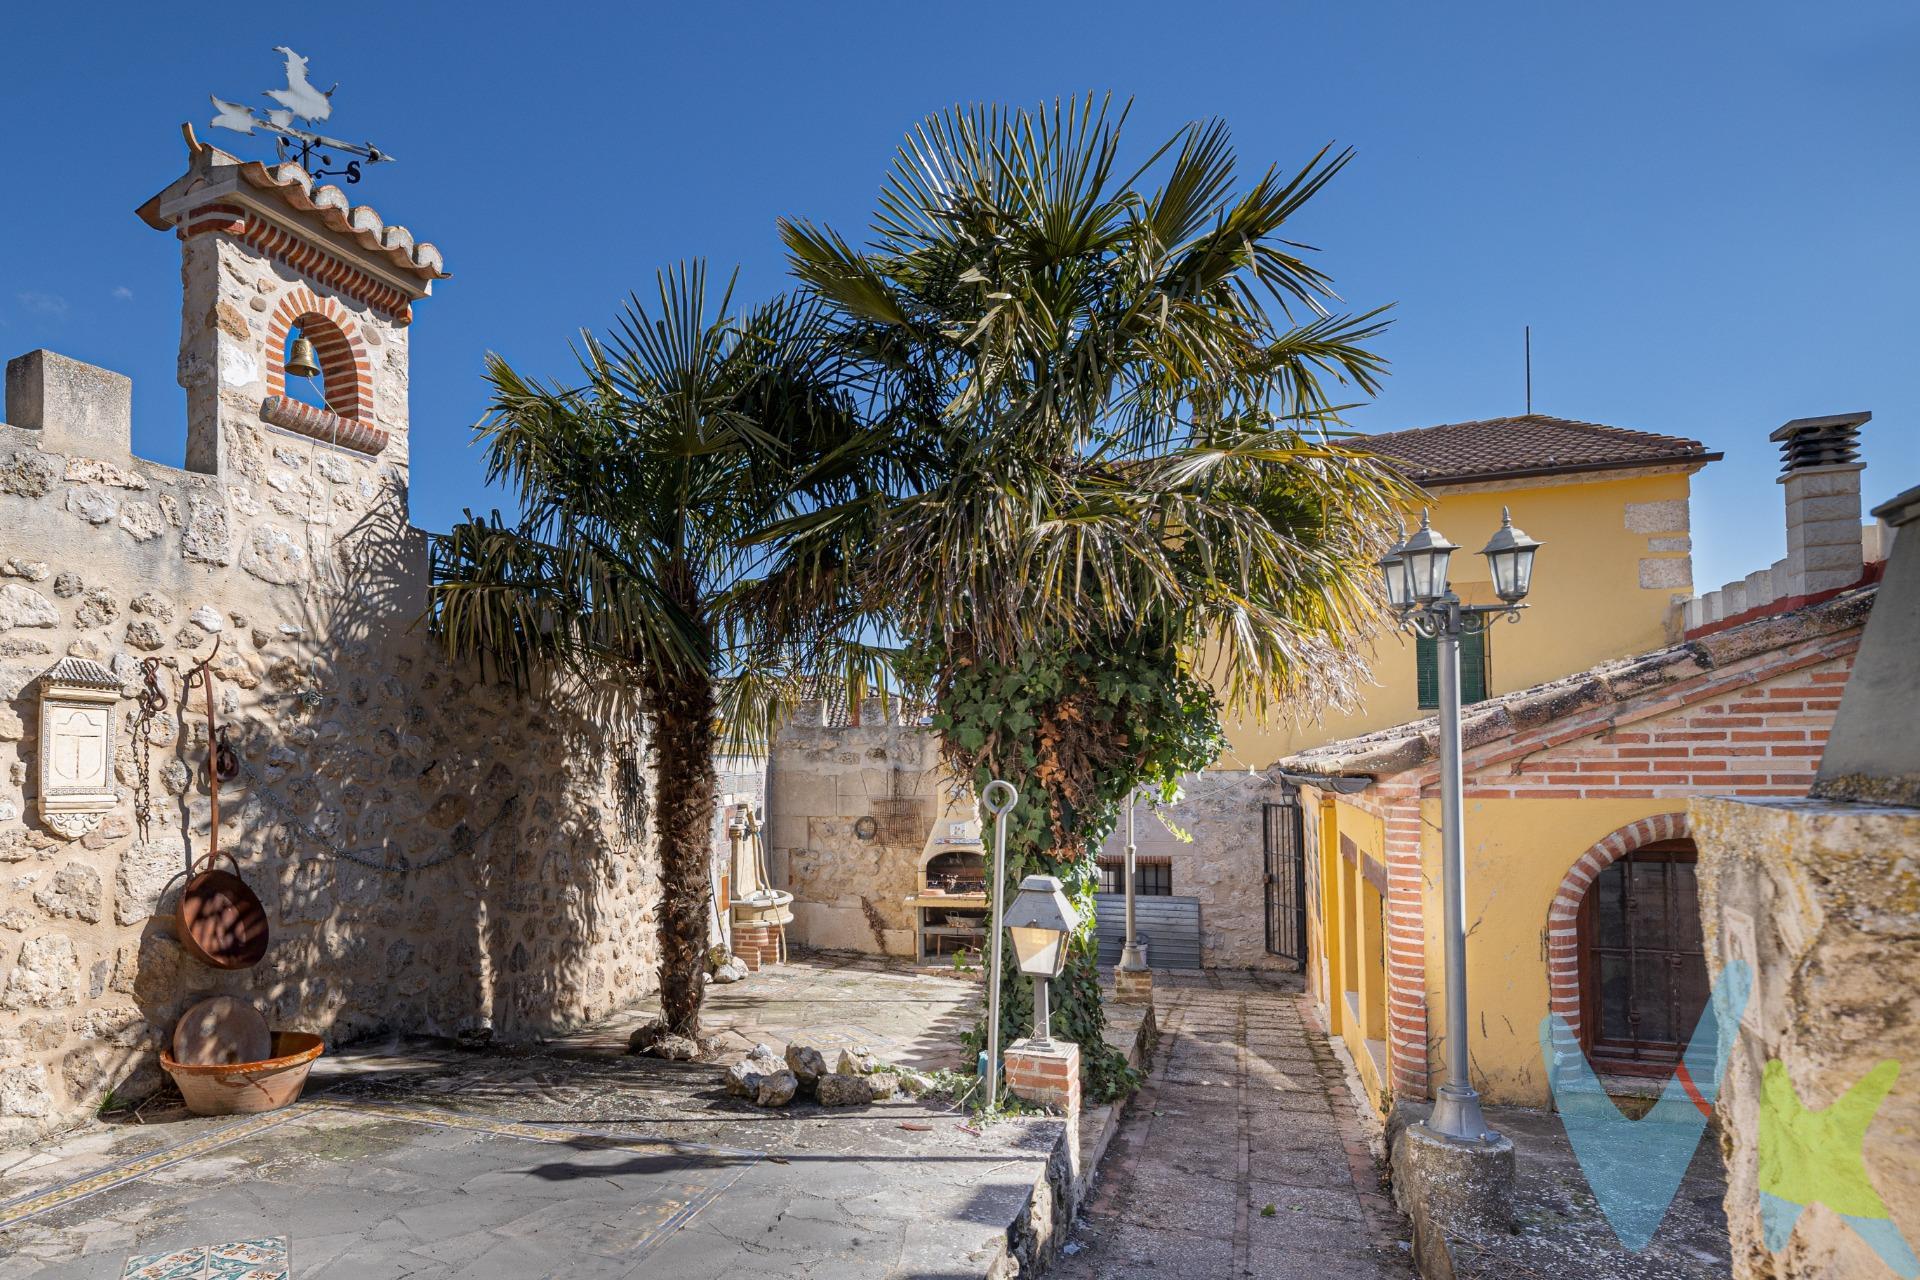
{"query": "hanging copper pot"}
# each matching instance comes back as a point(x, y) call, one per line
point(222, 923)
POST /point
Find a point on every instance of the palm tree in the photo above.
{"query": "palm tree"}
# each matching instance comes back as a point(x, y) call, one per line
point(1101, 435)
point(622, 580)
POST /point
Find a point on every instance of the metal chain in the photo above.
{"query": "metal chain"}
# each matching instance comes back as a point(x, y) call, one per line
point(375, 858)
point(152, 700)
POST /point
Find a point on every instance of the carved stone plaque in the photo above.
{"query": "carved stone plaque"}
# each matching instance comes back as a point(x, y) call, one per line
point(77, 707)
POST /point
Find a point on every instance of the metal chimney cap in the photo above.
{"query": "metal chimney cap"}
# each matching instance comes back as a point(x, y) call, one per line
point(1809, 444)
point(1828, 423)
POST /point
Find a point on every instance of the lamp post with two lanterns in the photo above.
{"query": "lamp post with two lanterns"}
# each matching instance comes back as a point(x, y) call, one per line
point(1423, 602)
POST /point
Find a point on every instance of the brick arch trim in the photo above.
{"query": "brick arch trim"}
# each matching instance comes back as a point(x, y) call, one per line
point(1563, 917)
point(345, 371)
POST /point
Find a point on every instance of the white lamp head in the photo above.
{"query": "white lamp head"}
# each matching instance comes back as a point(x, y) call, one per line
point(1427, 553)
point(1039, 923)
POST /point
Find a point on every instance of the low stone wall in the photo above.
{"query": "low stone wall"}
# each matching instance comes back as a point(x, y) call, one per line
point(849, 888)
point(1822, 901)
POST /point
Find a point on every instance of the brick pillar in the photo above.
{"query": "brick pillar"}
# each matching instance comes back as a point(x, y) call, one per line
point(1822, 483)
point(1407, 1048)
point(757, 944)
point(1048, 1074)
point(1133, 986)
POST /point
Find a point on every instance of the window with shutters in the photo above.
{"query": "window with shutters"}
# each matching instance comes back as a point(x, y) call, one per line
point(1475, 681)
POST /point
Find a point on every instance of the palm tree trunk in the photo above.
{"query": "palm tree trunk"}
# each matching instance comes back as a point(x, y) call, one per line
point(680, 707)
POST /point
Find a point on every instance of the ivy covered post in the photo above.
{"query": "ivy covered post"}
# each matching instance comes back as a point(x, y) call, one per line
point(1077, 729)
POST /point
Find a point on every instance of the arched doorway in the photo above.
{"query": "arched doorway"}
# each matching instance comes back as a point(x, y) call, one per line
point(1643, 964)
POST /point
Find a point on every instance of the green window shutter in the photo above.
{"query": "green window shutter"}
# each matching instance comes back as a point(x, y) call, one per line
point(1474, 681)
point(1473, 668)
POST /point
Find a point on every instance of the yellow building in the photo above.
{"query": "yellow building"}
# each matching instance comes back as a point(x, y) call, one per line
point(1611, 507)
point(1595, 730)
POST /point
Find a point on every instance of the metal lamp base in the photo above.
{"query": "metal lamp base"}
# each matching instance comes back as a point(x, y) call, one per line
point(1132, 957)
point(1457, 1114)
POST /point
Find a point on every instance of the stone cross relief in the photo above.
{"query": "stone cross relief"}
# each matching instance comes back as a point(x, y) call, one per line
point(77, 701)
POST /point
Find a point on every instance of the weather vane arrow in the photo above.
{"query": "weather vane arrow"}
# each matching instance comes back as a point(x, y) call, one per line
point(298, 101)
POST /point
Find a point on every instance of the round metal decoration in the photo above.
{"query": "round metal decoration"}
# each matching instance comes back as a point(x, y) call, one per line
point(223, 1029)
point(866, 828)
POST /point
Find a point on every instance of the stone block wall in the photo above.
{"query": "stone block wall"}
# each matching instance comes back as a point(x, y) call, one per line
point(434, 854)
point(1821, 899)
point(1221, 810)
point(849, 889)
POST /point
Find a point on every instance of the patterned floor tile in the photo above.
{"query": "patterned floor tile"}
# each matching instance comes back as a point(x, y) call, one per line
point(264, 1259)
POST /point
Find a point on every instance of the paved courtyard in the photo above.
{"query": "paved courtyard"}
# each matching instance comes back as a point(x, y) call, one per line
point(1243, 1155)
point(419, 1160)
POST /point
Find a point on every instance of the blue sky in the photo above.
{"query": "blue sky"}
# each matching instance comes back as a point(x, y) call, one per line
point(1705, 211)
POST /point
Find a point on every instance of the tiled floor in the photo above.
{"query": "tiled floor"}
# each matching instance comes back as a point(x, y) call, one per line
point(264, 1259)
point(1242, 1156)
point(416, 1159)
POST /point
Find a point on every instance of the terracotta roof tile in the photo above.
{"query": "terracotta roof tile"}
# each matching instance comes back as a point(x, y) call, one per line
point(295, 188)
point(357, 222)
point(1527, 445)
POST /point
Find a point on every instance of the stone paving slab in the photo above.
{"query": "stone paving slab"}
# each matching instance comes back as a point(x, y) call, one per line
point(417, 1159)
point(1246, 1108)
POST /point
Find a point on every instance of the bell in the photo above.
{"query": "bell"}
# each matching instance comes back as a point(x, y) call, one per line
point(301, 362)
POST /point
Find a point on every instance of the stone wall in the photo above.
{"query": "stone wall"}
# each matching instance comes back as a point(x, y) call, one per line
point(1821, 899)
point(849, 890)
point(434, 855)
point(1221, 865)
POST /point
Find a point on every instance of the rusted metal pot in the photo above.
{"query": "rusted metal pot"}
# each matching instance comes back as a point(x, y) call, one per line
point(222, 923)
point(244, 1088)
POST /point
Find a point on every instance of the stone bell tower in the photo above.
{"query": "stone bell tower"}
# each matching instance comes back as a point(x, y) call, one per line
point(266, 251)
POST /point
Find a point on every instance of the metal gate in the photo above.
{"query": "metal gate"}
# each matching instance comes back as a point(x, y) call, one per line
point(1283, 839)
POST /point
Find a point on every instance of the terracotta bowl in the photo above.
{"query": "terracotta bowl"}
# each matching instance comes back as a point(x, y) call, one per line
point(243, 1088)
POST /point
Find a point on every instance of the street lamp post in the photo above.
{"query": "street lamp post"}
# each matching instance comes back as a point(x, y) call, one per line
point(1131, 958)
point(1417, 590)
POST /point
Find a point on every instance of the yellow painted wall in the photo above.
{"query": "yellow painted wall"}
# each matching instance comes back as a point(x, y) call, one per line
point(1587, 605)
point(1518, 852)
point(1359, 961)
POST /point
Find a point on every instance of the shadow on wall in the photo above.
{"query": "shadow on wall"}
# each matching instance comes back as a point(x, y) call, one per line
point(434, 853)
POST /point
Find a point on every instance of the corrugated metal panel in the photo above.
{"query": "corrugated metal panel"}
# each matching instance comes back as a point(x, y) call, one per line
point(1171, 927)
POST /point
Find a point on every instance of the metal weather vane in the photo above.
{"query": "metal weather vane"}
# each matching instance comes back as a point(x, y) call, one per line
point(298, 101)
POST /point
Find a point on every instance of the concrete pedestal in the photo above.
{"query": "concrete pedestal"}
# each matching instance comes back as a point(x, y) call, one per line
point(1451, 1187)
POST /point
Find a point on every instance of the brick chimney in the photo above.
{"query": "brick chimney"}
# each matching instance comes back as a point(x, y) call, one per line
point(1821, 473)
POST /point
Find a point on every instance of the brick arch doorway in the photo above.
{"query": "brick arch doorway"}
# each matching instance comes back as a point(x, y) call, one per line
point(1629, 970)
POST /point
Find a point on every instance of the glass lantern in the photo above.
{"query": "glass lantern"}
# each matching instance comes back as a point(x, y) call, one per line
point(1510, 555)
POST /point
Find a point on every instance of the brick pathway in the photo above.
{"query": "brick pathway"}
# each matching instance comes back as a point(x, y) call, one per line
point(1246, 1108)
